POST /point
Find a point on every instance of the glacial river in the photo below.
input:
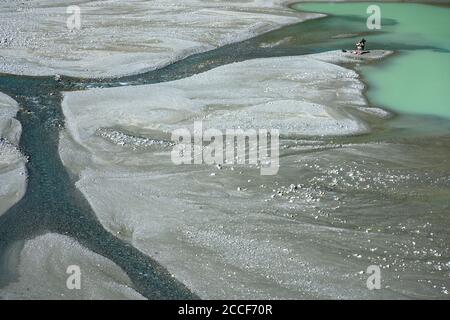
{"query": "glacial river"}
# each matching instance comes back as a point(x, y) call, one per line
point(394, 198)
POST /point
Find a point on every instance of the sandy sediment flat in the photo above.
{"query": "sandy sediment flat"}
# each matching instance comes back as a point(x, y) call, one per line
point(13, 174)
point(307, 95)
point(214, 229)
point(126, 37)
point(40, 268)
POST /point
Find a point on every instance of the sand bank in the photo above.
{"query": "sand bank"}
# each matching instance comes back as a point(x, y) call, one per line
point(126, 37)
point(42, 265)
point(303, 95)
point(13, 174)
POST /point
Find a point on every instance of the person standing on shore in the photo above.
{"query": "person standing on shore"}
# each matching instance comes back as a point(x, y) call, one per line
point(360, 46)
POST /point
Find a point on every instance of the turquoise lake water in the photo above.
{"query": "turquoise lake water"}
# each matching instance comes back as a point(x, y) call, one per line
point(416, 80)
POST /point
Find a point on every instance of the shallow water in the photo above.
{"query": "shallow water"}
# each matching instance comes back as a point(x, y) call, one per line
point(381, 198)
point(415, 81)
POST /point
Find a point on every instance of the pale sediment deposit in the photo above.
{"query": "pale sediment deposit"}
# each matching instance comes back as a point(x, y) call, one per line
point(43, 266)
point(13, 174)
point(126, 37)
point(228, 232)
point(297, 95)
